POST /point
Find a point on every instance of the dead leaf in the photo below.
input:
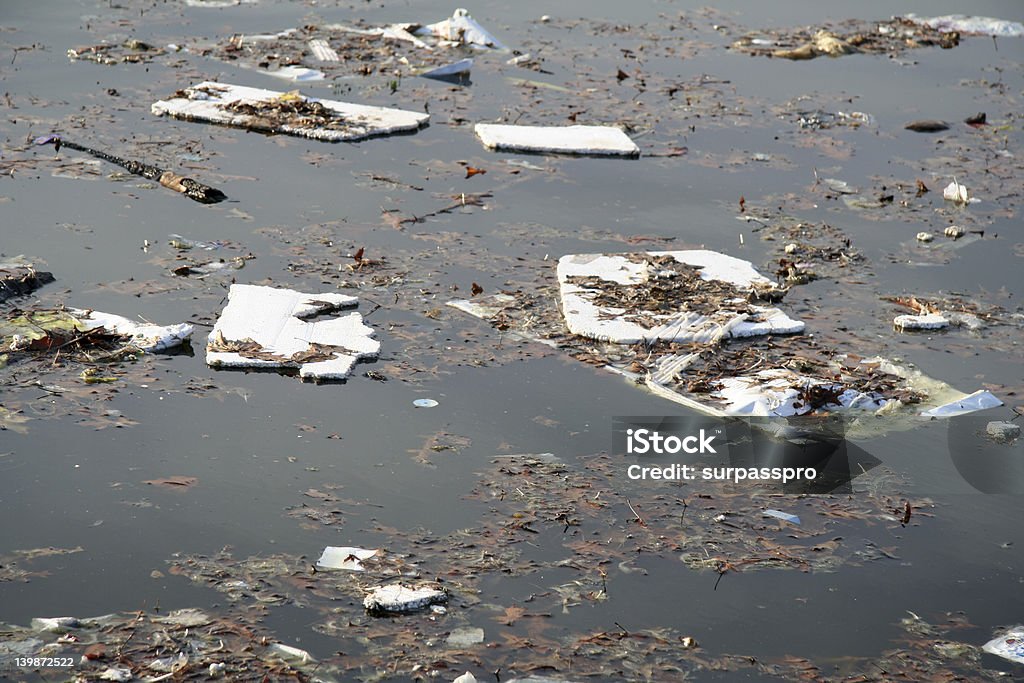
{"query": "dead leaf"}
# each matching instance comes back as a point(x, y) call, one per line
point(512, 614)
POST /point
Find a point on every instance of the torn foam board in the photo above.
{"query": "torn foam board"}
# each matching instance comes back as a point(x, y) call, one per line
point(398, 598)
point(269, 111)
point(144, 336)
point(345, 558)
point(263, 327)
point(461, 29)
point(926, 321)
point(322, 50)
point(612, 314)
point(601, 140)
point(985, 26)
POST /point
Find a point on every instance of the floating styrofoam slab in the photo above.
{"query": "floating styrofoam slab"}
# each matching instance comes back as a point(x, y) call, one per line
point(606, 140)
point(345, 558)
point(986, 26)
point(398, 598)
point(785, 516)
point(459, 68)
point(930, 321)
point(979, 400)
point(587, 319)
point(144, 336)
point(1009, 645)
point(461, 29)
point(271, 320)
point(776, 393)
point(207, 101)
point(297, 74)
point(322, 50)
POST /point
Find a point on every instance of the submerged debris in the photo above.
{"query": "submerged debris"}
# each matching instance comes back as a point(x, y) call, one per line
point(269, 111)
point(19, 279)
point(263, 327)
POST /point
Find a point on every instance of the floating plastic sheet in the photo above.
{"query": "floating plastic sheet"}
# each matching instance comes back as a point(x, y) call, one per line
point(270, 111)
point(591, 312)
point(600, 140)
point(345, 558)
point(263, 327)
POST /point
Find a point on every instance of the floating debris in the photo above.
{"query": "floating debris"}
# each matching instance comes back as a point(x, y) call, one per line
point(927, 126)
point(297, 74)
point(676, 296)
point(890, 37)
point(925, 236)
point(425, 403)
point(269, 111)
point(322, 50)
point(957, 193)
point(465, 637)
point(49, 329)
point(455, 71)
point(345, 558)
point(196, 191)
point(927, 321)
point(1008, 645)
point(984, 26)
point(784, 516)
point(263, 327)
point(129, 52)
point(19, 279)
point(1002, 431)
point(954, 232)
point(398, 598)
point(461, 29)
point(600, 140)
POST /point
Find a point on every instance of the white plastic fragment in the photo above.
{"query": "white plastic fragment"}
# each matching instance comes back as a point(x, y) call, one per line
point(206, 102)
point(216, 670)
point(172, 664)
point(585, 318)
point(398, 598)
point(425, 403)
point(459, 68)
point(120, 674)
point(924, 236)
point(986, 26)
point(273, 319)
point(955, 192)
point(334, 557)
point(928, 321)
point(605, 140)
point(288, 654)
point(322, 50)
point(216, 3)
point(954, 232)
point(297, 74)
point(785, 516)
point(465, 678)
point(461, 29)
point(1008, 645)
point(144, 336)
point(979, 400)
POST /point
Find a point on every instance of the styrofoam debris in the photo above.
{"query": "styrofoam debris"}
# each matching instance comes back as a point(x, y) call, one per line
point(928, 321)
point(968, 320)
point(954, 232)
point(605, 140)
point(459, 68)
point(464, 637)
point(216, 3)
point(986, 26)
point(461, 29)
point(297, 74)
point(924, 236)
point(785, 516)
point(144, 336)
point(288, 654)
point(394, 32)
point(173, 663)
point(1008, 645)
point(207, 102)
point(425, 403)
point(979, 400)
point(955, 192)
point(777, 393)
point(322, 50)
point(465, 678)
point(120, 674)
point(345, 558)
point(398, 598)
point(585, 318)
point(262, 327)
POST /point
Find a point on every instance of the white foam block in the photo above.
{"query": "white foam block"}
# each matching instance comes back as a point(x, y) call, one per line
point(273, 318)
point(206, 101)
point(585, 318)
point(608, 140)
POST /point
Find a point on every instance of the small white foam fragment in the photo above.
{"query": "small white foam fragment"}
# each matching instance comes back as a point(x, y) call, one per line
point(774, 393)
point(985, 26)
point(144, 336)
point(206, 102)
point(120, 674)
point(587, 319)
point(459, 68)
point(54, 624)
point(288, 654)
point(273, 319)
point(785, 516)
point(334, 557)
point(1009, 644)
point(578, 139)
point(297, 74)
point(465, 678)
point(322, 50)
point(979, 400)
point(955, 192)
point(928, 321)
point(461, 29)
point(464, 637)
point(396, 597)
point(925, 236)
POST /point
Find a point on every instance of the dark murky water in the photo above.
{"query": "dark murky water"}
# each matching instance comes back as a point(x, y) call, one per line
point(256, 442)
